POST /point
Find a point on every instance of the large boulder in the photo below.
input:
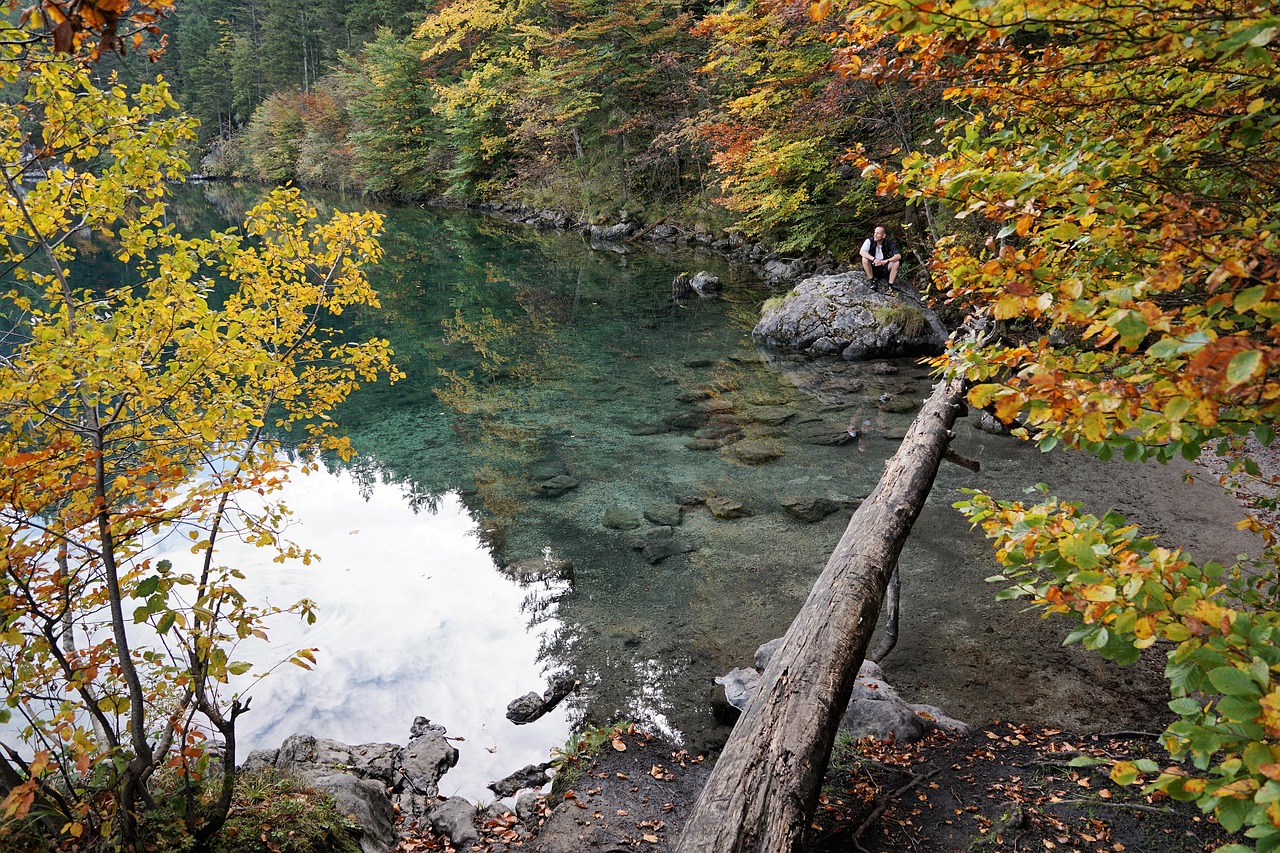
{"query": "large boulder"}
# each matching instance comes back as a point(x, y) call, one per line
point(849, 315)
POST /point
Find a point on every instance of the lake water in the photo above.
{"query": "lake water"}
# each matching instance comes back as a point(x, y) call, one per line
point(527, 355)
point(531, 355)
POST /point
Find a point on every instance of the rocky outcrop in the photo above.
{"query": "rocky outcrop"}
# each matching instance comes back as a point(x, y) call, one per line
point(849, 315)
point(372, 782)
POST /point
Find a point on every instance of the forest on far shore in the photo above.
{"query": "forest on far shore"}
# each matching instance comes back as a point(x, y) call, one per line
point(710, 116)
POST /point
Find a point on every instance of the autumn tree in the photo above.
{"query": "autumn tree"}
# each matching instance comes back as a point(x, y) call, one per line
point(133, 416)
point(1122, 162)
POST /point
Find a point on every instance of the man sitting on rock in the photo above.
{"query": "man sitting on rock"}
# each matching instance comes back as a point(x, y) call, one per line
point(881, 257)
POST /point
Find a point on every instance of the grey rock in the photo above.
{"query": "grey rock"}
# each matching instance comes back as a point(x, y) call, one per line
point(259, 760)
point(662, 232)
point(697, 362)
point(702, 444)
point(366, 802)
point(649, 536)
point(659, 550)
point(377, 761)
point(739, 686)
point(557, 486)
point(669, 515)
point(650, 429)
point(809, 509)
point(456, 818)
point(531, 706)
point(525, 709)
point(987, 422)
point(726, 508)
point(690, 420)
point(843, 313)
point(705, 284)
point(823, 434)
point(422, 726)
point(424, 762)
point(529, 776)
point(528, 807)
point(620, 231)
point(617, 518)
point(765, 653)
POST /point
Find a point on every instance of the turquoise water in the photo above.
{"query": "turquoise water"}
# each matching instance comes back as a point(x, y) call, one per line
point(529, 355)
point(535, 362)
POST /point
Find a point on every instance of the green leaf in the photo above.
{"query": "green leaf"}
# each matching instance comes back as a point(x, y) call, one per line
point(1185, 707)
point(166, 622)
point(1250, 297)
point(1132, 327)
point(239, 667)
point(147, 587)
point(1244, 366)
point(1078, 552)
point(1232, 813)
point(1233, 682)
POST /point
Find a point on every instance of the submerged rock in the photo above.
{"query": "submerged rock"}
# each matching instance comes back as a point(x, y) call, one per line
point(669, 515)
point(755, 451)
point(557, 486)
point(810, 509)
point(725, 508)
point(617, 518)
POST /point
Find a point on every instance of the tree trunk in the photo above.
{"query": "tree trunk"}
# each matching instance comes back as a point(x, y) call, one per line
point(766, 783)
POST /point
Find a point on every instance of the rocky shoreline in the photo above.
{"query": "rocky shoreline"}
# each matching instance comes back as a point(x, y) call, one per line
point(392, 792)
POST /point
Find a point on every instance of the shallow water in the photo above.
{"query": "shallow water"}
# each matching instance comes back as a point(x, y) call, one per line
point(530, 355)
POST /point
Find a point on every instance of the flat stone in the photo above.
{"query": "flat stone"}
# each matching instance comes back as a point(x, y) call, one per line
point(702, 444)
point(771, 415)
point(697, 362)
point(617, 518)
point(557, 486)
point(809, 509)
point(641, 538)
point(548, 469)
point(755, 451)
point(658, 550)
point(650, 429)
point(668, 515)
point(693, 395)
point(686, 420)
point(726, 508)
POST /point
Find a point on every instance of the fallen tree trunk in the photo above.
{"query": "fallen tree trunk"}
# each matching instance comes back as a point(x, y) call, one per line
point(766, 782)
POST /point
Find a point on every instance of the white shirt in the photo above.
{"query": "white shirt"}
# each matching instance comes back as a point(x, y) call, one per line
point(879, 250)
